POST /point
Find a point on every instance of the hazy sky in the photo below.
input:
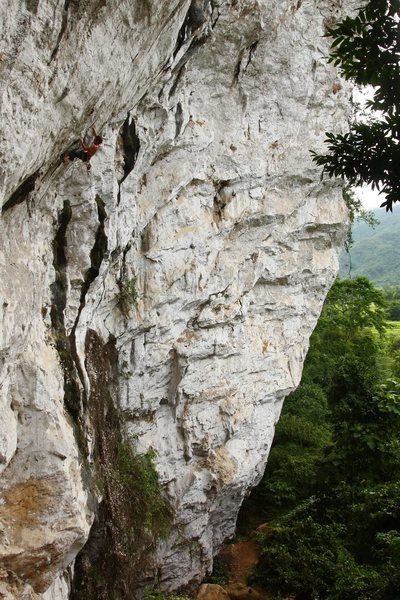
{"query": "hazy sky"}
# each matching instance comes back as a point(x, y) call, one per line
point(370, 198)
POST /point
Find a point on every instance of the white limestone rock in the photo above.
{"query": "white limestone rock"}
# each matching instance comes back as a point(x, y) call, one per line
point(209, 201)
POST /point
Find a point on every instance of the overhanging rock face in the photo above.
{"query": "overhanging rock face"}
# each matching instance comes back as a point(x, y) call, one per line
point(184, 272)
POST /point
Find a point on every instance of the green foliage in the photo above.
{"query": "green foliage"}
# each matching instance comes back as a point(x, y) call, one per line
point(351, 324)
point(138, 476)
point(301, 435)
point(392, 296)
point(366, 422)
point(341, 539)
point(127, 296)
point(366, 50)
point(356, 209)
point(393, 347)
point(354, 304)
point(221, 574)
point(307, 559)
point(344, 542)
point(134, 514)
point(356, 213)
point(394, 311)
point(164, 596)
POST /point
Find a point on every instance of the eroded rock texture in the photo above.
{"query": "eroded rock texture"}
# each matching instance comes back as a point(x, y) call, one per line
point(203, 203)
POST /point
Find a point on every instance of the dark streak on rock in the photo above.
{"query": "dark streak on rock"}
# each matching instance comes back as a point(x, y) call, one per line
point(238, 66)
point(22, 192)
point(198, 14)
point(64, 23)
point(130, 147)
point(252, 48)
point(32, 6)
point(177, 79)
point(178, 119)
point(218, 202)
point(97, 253)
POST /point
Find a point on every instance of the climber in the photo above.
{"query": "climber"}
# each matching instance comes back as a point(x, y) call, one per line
point(86, 151)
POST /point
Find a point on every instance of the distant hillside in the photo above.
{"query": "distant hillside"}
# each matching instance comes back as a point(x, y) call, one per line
point(376, 251)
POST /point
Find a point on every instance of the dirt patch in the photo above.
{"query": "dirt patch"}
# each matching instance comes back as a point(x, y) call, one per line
point(239, 561)
point(240, 558)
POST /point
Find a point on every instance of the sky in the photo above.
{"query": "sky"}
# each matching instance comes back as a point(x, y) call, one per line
point(369, 198)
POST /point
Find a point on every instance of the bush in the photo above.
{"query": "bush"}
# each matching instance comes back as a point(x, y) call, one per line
point(127, 296)
point(300, 558)
point(301, 435)
point(138, 476)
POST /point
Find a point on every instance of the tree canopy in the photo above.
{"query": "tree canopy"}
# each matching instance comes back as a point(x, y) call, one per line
point(366, 49)
point(331, 491)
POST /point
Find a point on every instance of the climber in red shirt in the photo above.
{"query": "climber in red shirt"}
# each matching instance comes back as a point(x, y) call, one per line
point(86, 151)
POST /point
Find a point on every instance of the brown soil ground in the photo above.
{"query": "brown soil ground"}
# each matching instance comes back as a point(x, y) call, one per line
point(240, 559)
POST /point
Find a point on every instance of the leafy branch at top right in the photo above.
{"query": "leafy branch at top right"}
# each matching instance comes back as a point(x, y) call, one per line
point(366, 49)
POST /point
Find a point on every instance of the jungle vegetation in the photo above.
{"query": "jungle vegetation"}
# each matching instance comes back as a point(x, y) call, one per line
point(331, 491)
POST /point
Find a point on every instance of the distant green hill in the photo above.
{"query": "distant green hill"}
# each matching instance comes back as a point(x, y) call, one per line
point(376, 251)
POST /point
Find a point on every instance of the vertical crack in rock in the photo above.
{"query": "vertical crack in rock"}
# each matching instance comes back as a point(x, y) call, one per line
point(178, 369)
point(178, 76)
point(192, 34)
point(178, 119)
point(127, 150)
point(180, 40)
point(95, 563)
point(223, 195)
point(64, 24)
point(239, 66)
point(90, 10)
point(131, 145)
point(128, 295)
point(22, 193)
point(123, 266)
point(195, 30)
point(74, 392)
point(59, 289)
point(97, 254)
point(251, 50)
point(198, 14)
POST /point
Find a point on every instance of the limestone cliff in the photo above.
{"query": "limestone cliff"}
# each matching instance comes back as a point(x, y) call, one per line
point(169, 291)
